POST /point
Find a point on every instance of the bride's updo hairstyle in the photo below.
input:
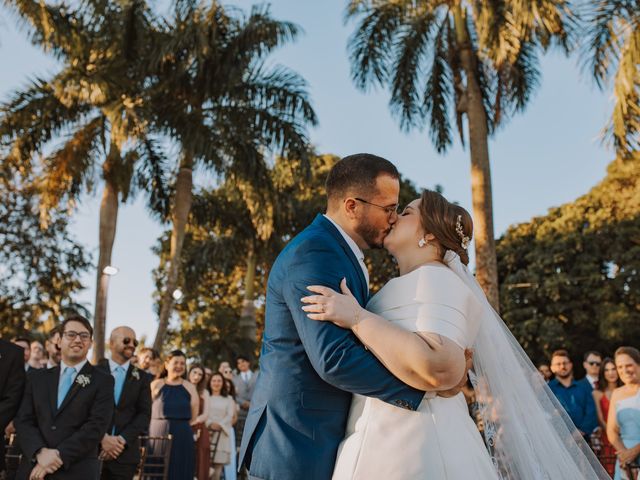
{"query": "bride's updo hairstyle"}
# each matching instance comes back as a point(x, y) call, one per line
point(449, 223)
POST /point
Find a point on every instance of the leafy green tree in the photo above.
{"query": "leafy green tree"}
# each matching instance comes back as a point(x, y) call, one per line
point(96, 101)
point(41, 267)
point(612, 49)
point(572, 278)
point(445, 61)
point(225, 107)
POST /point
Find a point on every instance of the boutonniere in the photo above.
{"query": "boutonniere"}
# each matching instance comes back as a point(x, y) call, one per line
point(83, 380)
point(135, 374)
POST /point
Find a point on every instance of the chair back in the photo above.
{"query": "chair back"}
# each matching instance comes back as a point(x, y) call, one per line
point(12, 456)
point(155, 461)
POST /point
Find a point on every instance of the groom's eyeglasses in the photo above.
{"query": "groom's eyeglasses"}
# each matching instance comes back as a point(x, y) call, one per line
point(391, 210)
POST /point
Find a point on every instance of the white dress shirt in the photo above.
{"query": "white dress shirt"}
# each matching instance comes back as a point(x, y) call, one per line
point(357, 251)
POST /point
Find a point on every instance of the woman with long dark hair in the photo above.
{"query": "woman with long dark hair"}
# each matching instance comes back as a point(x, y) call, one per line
point(197, 376)
point(174, 410)
point(608, 381)
point(221, 410)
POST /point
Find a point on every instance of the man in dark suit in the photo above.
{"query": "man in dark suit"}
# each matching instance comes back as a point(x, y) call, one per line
point(308, 370)
point(65, 412)
point(132, 395)
point(25, 344)
point(12, 378)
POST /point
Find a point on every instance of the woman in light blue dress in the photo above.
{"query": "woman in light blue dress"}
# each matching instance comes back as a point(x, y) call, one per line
point(623, 425)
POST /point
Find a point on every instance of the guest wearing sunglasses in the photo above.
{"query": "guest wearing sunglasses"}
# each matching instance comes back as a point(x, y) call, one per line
point(132, 414)
point(591, 364)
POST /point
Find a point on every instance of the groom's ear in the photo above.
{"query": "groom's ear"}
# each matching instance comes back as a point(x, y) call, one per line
point(350, 206)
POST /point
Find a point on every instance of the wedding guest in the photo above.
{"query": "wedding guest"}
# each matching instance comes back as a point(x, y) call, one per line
point(225, 369)
point(623, 422)
point(575, 397)
point(608, 381)
point(230, 469)
point(221, 411)
point(545, 371)
point(197, 377)
point(174, 410)
point(245, 382)
point(25, 344)
point(591, 364)
point(132, 407)
point(36, 359)
point(207, 375)
point(52, 346)
point(65, 412)
point(12, 379)
point(149, 361)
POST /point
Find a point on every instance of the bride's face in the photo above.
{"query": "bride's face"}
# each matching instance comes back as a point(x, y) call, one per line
point(407, 230)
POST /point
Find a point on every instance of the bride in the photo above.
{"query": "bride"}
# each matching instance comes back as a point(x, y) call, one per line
point(429, 314)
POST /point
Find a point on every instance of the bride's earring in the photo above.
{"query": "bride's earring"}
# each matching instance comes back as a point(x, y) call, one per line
point(422, 242)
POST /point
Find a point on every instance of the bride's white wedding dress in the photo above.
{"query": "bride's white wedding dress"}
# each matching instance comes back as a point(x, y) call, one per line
point(529, 435)
point(438, 441)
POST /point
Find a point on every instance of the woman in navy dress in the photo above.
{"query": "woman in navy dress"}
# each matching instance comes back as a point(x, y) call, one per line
point(174, 410)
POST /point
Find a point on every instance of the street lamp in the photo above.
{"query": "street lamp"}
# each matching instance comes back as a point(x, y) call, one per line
point(177, 294)
point(110, 270)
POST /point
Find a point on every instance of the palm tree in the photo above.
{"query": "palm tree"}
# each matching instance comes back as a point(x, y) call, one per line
point(612, 50)
point(451, 59)
point(96, 101)
point(223, 106)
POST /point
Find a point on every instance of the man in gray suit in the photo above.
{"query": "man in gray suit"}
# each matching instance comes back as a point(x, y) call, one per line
point(244, 381)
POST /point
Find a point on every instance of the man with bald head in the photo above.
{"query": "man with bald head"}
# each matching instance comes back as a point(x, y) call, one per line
point(132, 414)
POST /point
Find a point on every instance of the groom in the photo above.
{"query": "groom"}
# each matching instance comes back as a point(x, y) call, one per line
point(308, 370)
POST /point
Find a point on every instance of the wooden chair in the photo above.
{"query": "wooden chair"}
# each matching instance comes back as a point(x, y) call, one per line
point(606, 458)
point(12, 456)
point(633, 471)
point(155, 462)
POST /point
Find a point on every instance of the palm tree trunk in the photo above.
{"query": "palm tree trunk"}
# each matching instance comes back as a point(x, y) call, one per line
point(248, 323)
point(181, 209)
point(107, 234)
point(486, 264)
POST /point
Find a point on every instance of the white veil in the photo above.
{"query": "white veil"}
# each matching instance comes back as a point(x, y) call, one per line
point(527, 432)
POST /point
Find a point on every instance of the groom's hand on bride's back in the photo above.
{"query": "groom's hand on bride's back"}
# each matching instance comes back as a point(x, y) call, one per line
point(452, 392)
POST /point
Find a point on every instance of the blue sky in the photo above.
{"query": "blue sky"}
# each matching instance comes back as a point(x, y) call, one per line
point(547, 156)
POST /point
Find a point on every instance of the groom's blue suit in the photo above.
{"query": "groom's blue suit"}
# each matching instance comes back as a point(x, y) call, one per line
point(308, 369)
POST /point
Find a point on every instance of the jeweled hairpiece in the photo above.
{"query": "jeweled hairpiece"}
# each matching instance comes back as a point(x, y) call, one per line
point(460, 231)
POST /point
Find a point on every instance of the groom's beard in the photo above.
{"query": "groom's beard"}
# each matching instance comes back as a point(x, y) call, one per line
point(372, 236)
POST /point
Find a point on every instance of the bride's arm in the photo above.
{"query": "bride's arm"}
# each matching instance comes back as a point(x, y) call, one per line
point(423, 360)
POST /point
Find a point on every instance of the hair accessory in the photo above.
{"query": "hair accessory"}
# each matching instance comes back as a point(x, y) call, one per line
point(422, 242)
point(460, 231)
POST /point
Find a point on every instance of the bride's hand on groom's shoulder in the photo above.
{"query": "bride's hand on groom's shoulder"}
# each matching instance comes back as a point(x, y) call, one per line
point(452, 392)
point(328, 305)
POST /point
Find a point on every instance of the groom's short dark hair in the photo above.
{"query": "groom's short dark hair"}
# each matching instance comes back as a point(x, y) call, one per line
point(357, 173)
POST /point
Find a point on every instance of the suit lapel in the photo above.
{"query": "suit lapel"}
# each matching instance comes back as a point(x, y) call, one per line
point(333, 231)
point(53, 377)
point(75, 387)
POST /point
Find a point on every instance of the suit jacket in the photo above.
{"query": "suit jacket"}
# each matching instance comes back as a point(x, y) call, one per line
point(75, 429)
point(12, 378)
point(244, 390)
point(132, 414)
point(309, 369)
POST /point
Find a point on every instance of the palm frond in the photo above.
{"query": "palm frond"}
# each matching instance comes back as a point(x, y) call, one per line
point(410, 50)
point(70, 169)
point(371, 45)
point(438, 91)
